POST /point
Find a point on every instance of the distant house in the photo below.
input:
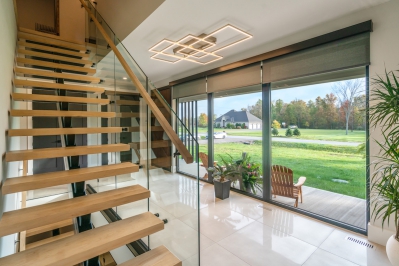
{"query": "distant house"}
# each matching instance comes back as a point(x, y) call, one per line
point(233, 117)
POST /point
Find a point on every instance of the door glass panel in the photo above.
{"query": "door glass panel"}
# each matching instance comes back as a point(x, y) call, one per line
point(318, 148)
point(238, 136)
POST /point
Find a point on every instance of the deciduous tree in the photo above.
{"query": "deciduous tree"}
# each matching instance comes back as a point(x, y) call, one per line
point(202, 120)
point(346, 93)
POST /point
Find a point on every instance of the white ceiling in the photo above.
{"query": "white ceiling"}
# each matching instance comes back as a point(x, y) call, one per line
point(266, 20)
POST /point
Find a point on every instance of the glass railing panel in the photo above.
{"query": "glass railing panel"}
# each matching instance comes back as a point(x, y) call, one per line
point(172, 196)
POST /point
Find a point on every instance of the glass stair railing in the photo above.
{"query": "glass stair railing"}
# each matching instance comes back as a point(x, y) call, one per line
point(149, 126)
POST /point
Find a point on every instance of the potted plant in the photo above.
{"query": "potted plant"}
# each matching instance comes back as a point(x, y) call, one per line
point(223, 175)
point(250, 174)
point(385, 178)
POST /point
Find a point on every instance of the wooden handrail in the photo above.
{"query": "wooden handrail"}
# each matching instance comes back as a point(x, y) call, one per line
point(188, 158)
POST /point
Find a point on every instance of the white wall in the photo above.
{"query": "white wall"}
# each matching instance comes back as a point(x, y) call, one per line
point(8, 31)
point(124, 16)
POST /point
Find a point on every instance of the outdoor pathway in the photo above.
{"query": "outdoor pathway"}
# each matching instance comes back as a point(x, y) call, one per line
point(310, 141)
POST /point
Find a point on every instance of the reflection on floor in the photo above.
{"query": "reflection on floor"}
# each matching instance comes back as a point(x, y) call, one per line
point(239, 230)
point(339, 207)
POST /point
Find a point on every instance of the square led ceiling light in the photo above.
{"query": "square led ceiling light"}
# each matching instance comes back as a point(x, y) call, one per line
point(200, 49)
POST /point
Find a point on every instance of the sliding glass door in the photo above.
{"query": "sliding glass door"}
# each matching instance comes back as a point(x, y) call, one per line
point(318, 147)
point(296, 126)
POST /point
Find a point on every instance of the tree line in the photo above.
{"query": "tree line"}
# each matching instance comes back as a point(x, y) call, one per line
point(321, 113)
point(343, 109)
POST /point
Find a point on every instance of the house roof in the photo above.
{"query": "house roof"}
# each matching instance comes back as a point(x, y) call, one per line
point(239, 116)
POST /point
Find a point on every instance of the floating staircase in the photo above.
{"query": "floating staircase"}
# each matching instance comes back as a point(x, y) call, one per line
point(60, 233)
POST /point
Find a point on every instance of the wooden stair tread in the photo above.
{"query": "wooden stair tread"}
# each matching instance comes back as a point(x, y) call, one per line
point(55, 57)
point(162, 101)
point(35, 154)
point(54, 113)
point(29, 218)
point(48, 227)
point(52, 49)
point(80, 247)
point(24, 32)
point(52, 85)
point(154, 144)
point(162, 161)
point(31, 182)
point(49, 240)
point(159, 256)
point(63, 131)
point(33, 62)
point(51, 41)
point(54, 98)
point(46, 73)
point(127, 102)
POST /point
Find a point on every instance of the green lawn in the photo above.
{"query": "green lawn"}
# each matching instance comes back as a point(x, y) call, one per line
point(319, 163)
point(316, 134)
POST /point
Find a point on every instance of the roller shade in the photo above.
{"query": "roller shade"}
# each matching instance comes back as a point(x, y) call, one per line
point(342, 54)
point(350, 73)
point(242, 77)
point(192, 88)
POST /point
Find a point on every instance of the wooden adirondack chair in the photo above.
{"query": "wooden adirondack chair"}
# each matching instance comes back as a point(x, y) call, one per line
point(204, 160)
point(283, 183)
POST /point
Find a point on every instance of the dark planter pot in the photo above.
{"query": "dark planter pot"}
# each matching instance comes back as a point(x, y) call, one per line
point(222, 190)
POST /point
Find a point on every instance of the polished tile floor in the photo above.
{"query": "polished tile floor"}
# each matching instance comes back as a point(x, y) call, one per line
point(244, 231)
point(239, 230)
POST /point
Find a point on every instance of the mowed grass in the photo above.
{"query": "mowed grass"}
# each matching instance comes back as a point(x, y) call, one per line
point(314, 134)
point(318, 163)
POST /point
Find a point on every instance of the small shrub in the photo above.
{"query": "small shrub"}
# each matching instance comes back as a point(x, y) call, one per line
point(228, 125)
point(232, 126)
point(275, 132)
point(288, 132)
point(238, 127)
point(297, 132)
point(217, 125)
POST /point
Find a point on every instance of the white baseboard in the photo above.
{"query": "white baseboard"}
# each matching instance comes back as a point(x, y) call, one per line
point(378, 235)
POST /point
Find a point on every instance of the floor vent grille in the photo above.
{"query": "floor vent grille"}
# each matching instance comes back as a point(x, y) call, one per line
point(358, 241)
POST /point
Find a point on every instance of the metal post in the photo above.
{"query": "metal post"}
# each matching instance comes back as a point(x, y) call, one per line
point(367, 85)
point(210, 134)
point(266, 141)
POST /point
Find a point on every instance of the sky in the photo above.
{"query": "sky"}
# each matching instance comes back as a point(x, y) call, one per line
point(305, 93)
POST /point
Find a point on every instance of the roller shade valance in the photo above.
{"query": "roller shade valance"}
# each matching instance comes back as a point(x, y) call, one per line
point(341, 54)
point(192, 88)
point(242, 77)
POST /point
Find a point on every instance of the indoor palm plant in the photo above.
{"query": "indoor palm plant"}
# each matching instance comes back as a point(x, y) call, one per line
point(223, 174)
point(385, 178)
